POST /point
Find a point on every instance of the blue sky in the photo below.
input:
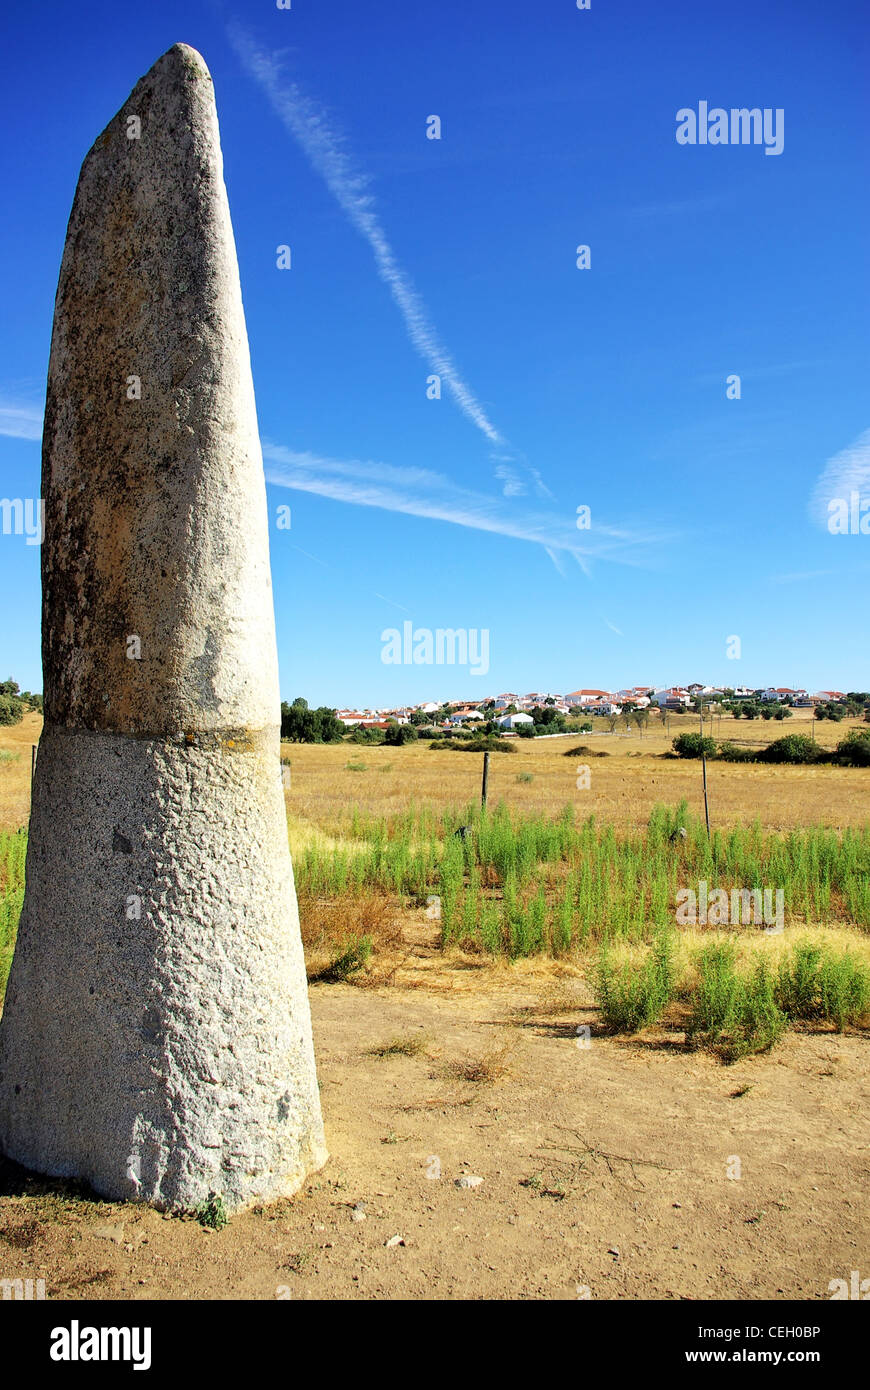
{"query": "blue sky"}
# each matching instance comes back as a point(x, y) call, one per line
point(561, 387)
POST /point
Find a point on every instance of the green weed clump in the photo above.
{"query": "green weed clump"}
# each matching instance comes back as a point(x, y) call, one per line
point(13, 852)
point(734, 1015)
point(815, 983)
point(212, 1214)
point(351, 960)
point(632, 998)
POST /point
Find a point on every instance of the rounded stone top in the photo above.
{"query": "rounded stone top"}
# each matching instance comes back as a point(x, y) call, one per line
point(181, 56)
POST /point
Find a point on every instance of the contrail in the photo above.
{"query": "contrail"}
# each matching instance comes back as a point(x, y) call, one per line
point(424, 493)
point(323, 146)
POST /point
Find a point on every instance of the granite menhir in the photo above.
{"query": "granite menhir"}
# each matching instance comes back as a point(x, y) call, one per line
point(156, 1038)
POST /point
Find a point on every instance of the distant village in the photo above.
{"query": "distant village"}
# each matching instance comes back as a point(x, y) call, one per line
point(511, 711)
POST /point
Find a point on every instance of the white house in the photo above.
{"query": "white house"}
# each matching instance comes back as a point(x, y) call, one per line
point(513, 721)
point(586, 697)
point(461, 716)
point(675, 695)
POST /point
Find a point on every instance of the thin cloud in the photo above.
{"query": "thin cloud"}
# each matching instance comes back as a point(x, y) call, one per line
point(425, 493)
point(845, 473)
point(20, 421)
point(324, 148)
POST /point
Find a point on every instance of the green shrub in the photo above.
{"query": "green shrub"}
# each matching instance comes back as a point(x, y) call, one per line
point(854, 749)
point(818, 984)
point(733, 753)
point(794, 748)
point(844, 990)
point(732, 1015)
point(798, 982)
point(632, 997)
point(11, 710)
point(478, 745)
point(212, 1214)
point(397, 735)
point(694, 745)
point(354, 958)
point(369, 736)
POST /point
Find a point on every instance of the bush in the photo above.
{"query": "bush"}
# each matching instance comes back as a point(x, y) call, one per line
point(212, 1213)
point(632, 998)
point(478, 745)
point(816, 984)
point(794, 748)
point(731, 1015)
point(854, 749)
point(797, 982)
point(11, 709)
point(397, 735)
point(366, 736)
point(733, 753)
point(525, 730)
point(844, 989)
point(693, 745)
point(351, 960)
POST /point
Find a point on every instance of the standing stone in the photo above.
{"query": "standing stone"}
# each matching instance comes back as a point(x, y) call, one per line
point(156, 1038)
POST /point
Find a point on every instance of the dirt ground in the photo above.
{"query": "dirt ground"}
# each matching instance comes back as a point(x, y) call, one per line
point(614, 1170)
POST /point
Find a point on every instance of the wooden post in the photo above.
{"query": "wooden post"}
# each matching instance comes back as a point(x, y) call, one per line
point(483, 787)
point(704, 772)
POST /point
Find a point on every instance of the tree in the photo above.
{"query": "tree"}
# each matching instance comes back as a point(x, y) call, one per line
point(612, 721)
point(641, 719)
point(300, 724)
point(397, 735)
point(694, 745)
point(11, 710)
point(793, 748)
point(854, 749)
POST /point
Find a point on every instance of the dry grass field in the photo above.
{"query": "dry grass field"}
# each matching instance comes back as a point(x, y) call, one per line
point(624, 785)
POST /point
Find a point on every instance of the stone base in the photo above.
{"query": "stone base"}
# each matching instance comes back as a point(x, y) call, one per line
point(156, 1037)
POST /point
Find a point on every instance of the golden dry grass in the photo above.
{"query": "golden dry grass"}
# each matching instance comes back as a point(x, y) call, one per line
point(17, 740)
point(624, 786)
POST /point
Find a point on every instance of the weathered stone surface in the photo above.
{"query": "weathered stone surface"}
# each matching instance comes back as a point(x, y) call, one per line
point(156, 1038)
